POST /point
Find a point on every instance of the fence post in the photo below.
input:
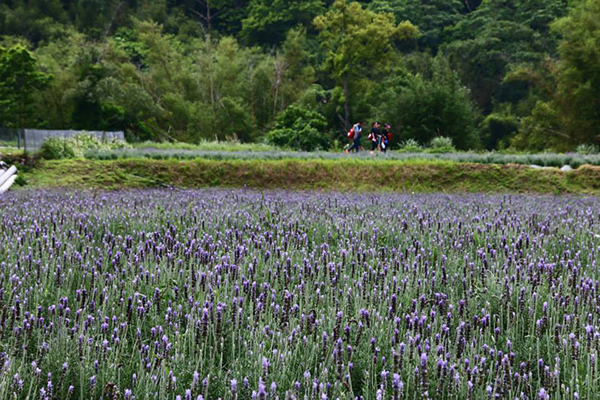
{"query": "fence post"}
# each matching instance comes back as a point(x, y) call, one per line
point(24, 142)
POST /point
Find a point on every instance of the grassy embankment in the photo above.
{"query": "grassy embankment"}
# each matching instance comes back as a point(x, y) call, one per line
point(378, 175)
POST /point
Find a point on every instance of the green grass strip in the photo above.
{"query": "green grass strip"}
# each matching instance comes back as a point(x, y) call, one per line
point(344, 175)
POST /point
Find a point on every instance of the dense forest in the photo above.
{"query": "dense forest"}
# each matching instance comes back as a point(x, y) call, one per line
point(495, 74)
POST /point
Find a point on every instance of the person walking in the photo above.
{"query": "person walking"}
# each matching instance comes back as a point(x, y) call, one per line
point(386, 136)
point(357, 132)
point(375, 137)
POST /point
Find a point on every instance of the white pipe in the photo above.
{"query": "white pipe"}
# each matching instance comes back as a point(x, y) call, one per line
point(6, 175)
point(8, 184)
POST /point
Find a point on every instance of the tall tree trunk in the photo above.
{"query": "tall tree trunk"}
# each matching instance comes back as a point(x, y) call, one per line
point(211, 81)
point(279, 67)
point(468, 5)
point(346, 102)
point(208, 17)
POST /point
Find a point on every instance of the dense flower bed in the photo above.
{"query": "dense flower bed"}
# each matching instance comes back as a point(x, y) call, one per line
point(242, 294)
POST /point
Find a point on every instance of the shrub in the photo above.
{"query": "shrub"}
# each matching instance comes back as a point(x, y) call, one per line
point(410, 146)
point(588, 148)
point(538, 131)
point(441, 144)
point(56, 148)
point(498, 129)
point(305, 138)
point(300, 129)
point(430, 106)
point(206, 145)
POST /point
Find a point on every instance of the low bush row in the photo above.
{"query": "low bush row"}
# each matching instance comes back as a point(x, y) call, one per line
point(545, 159)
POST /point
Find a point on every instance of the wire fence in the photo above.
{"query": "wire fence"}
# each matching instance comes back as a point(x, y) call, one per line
point(34, 138)
point(31, 140)
point(11, 138)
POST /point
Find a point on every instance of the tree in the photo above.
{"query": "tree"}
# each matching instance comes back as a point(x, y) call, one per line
point(500, 33)
point(20, 81)
point(431, 17)
point(300, 129)
point(357, 42)
point(215, 11)
point(425, 106)
point(291, 73)
point(268, 21)
point(578, 74)
point(568, 111)
point(35, 20)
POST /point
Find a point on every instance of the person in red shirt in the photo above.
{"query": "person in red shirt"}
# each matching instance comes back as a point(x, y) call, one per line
point(386, 137)
point(356, 135)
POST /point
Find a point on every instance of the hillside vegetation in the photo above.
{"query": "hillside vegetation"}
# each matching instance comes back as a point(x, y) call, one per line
point(496, 74)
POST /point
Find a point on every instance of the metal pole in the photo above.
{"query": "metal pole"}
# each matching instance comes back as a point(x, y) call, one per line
point(24, 144)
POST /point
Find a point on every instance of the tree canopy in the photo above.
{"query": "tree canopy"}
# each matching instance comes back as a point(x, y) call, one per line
point(357, 44)
point(20, 79)
point(495, 74)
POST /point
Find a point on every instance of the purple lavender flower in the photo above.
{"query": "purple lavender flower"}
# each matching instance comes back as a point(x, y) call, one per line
point(262, 390)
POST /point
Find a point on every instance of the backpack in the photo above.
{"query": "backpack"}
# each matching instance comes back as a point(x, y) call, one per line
point(351, 134)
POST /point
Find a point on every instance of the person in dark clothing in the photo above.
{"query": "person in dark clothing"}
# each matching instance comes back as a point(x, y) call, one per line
point(357, 130)
point(375, 136)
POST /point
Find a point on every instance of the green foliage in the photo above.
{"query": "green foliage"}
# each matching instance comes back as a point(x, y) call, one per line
point(83, 143)
point(565, 112)
point(185, 70)
point(577, 99)
point(442, 143)
point(34, 20)
point(268, 21)
point(540, 131)
point(424, 107)
point(410, 146)
point(300, 129)
point(205, 145)
point(419, 173)
point(356, 39)
point(224, 16)
point(357, 42)
point(484, 44)
point(568, 115)
point(76, 147)
point(545, 159)
point(430, 17)
point(56, 149)
point(20, 80)
point(498, 128)
point(587, 148)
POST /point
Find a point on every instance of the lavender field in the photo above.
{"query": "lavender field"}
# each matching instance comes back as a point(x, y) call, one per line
point(285, 295)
